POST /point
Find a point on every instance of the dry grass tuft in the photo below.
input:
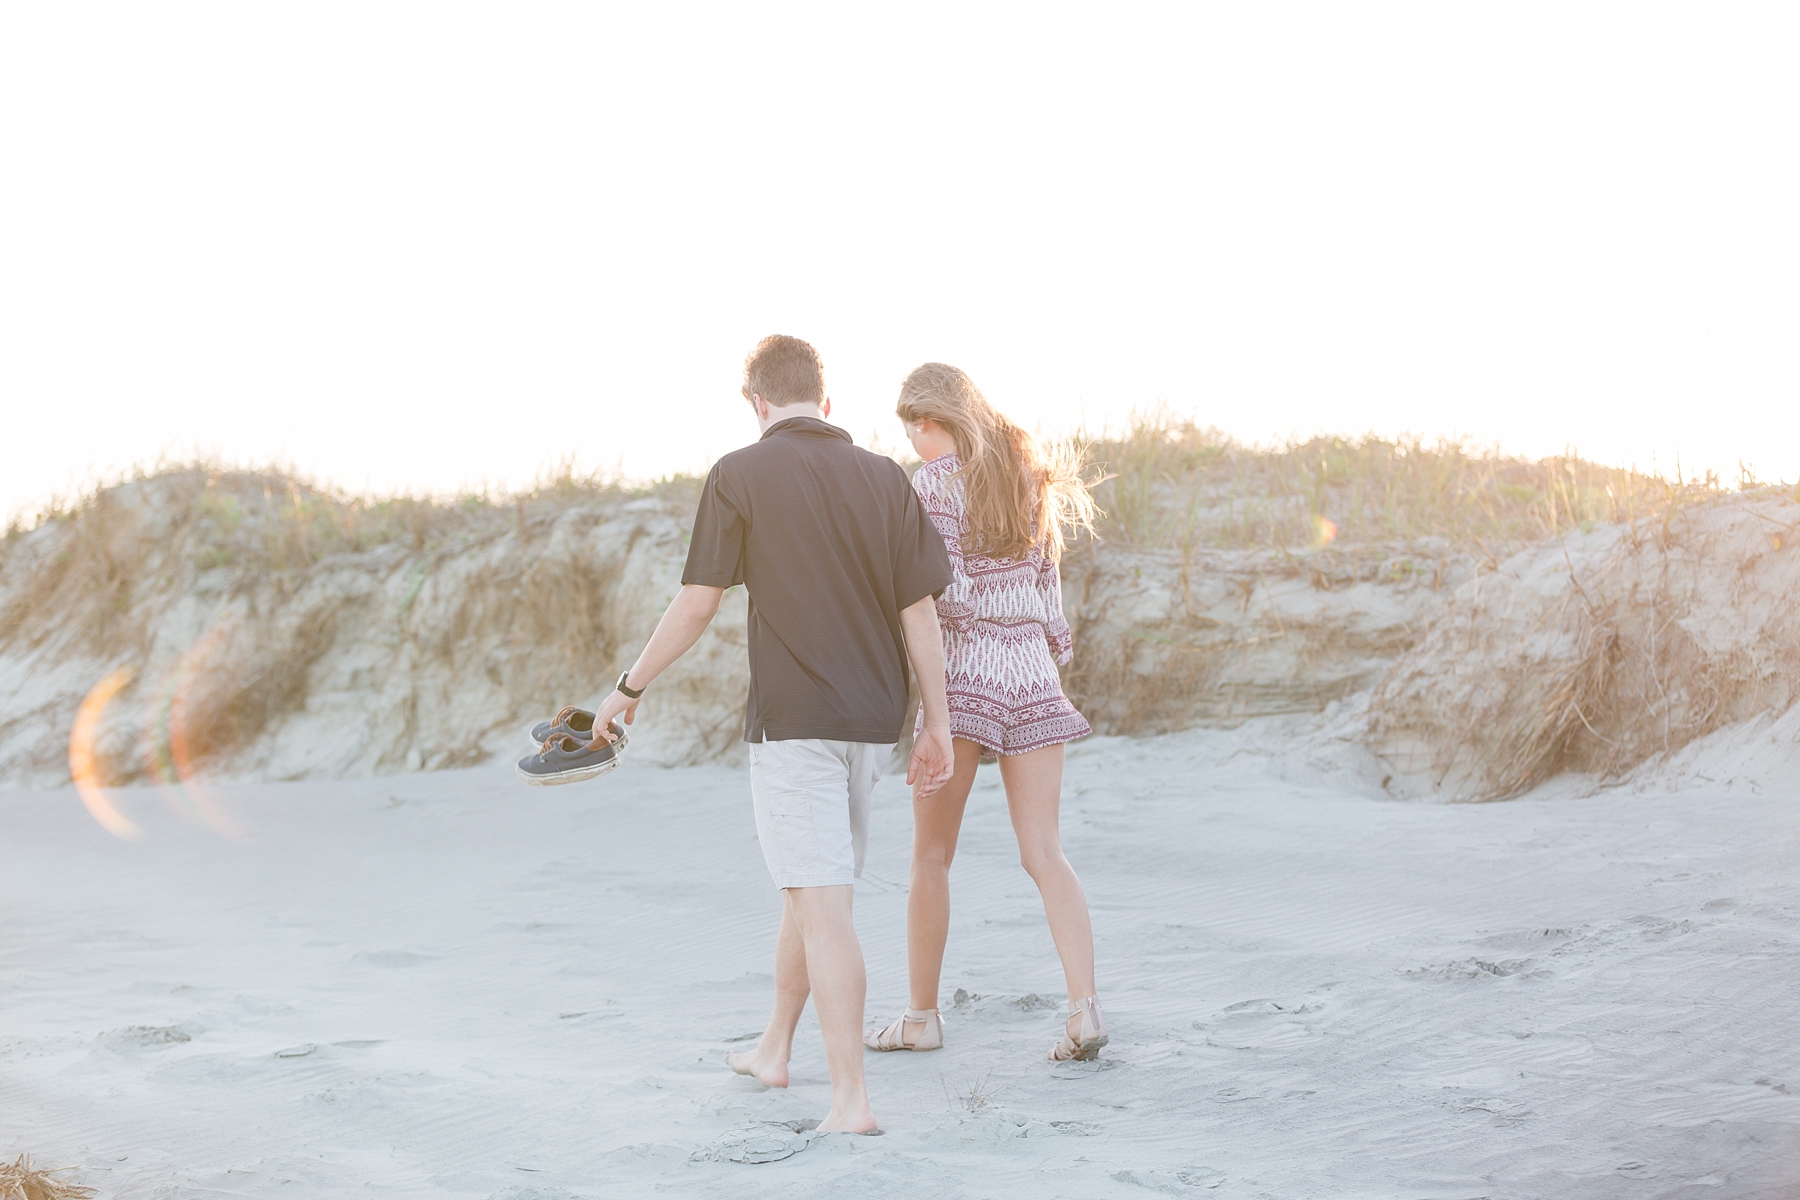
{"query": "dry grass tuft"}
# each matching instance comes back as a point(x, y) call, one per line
point(86, 579)
point(79, 561)
point(1242, 538)
point(1554, 709)
point(20, 1180)
point(1176, 484)
point(282, 572)
point(1601, 659)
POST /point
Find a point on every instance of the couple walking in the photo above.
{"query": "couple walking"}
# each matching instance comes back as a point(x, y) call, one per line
point(852, 573)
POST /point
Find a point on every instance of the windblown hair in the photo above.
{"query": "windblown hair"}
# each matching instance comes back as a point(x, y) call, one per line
point(1015, 494)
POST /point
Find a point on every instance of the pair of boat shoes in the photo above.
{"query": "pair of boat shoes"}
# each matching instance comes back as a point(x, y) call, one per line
point(564, 755)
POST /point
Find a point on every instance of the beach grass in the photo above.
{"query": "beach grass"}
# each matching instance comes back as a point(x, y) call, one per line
point(21, 1180)
point(1162, 483)
point(256, 523)
point(1173, 483)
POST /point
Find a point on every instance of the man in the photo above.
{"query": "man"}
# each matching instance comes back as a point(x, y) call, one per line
point(843, 568)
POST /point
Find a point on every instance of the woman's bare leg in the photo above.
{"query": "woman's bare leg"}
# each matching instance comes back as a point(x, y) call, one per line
point(1034, 797)
point(937, 820)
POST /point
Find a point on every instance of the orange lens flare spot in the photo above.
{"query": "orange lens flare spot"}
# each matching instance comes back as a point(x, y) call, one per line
point(84, 768)
point(1324, 532)
point(172, 751)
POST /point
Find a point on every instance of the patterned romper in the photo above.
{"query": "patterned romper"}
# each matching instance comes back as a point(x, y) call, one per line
point(1004, 634)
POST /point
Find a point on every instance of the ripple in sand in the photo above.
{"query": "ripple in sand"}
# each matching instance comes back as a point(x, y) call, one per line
point(138, 1037)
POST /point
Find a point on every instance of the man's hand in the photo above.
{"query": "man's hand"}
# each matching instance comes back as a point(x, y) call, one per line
point(616, 703)
point(686, 618)
point(932, 761)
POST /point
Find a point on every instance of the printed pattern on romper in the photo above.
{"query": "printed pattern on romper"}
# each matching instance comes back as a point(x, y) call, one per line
point(1004, 634)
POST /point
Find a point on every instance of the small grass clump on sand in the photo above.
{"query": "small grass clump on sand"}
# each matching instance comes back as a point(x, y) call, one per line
point(20, 1180)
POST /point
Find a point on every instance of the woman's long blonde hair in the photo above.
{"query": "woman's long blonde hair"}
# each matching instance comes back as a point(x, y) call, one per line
point(1015, 495)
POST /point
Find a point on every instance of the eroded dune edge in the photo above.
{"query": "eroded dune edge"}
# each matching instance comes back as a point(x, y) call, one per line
point(250, 628)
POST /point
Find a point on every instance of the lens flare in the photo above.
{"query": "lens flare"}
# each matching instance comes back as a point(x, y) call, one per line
point(1324, 531)
point(84, 767)
point(170, 741)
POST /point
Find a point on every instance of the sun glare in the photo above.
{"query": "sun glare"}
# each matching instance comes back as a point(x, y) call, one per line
point(171, 745)
point(84, 764)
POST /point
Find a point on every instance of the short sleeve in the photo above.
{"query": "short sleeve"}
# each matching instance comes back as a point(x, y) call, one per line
point(716, 550)
point(921, 566)
point(938, 495)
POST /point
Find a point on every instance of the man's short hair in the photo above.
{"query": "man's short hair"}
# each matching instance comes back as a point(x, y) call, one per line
point(784, 370)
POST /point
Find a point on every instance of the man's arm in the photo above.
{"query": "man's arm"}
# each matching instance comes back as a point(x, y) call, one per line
point(686, 618)
point(932, 758)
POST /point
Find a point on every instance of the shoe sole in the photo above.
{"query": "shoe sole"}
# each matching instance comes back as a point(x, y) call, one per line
point(573, 775)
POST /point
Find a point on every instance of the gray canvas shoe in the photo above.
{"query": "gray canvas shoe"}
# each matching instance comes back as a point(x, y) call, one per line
point(566, 758)
point(576, 722)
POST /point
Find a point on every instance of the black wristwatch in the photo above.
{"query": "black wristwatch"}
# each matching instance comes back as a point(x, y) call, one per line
point(625, 689)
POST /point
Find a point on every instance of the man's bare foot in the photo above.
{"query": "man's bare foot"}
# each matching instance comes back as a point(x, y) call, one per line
point(766, 1070)
point(862, 1121)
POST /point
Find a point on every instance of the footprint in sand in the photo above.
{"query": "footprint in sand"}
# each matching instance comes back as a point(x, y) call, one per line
point(768, 1141)
point(1173, 1182)
point(139, 1037)
point(391, 958)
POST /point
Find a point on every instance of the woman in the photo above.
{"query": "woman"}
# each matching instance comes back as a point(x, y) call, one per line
point(1003, 509)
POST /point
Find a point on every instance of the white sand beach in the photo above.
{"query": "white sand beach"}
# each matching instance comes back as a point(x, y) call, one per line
point(1385, 441)
point(451, 985)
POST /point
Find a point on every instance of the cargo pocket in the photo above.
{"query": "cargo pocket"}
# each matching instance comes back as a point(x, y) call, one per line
point(786, 779)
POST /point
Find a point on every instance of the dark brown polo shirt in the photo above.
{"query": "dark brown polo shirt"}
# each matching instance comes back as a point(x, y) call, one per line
point(831, 543)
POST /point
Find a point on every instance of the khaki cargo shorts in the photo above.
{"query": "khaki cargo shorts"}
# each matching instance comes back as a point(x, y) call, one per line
point(812, 807)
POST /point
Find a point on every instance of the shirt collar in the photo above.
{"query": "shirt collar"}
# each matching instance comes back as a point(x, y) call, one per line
point(805, 427)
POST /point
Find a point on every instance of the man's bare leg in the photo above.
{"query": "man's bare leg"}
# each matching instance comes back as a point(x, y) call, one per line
point(834, 965)
point(769, 1061)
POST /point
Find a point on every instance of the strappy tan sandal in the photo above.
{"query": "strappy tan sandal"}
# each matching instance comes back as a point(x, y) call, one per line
point(1084, 1044)
point(894, 1036)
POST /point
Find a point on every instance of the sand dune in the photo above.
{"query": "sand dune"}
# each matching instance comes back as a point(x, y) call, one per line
point(447, 985)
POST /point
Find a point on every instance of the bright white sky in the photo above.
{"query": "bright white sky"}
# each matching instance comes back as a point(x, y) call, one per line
point(437, 245)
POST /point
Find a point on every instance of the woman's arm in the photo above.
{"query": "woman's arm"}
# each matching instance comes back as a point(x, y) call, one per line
point(1056, 626)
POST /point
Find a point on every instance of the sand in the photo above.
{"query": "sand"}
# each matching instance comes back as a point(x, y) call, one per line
point(450, 985)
